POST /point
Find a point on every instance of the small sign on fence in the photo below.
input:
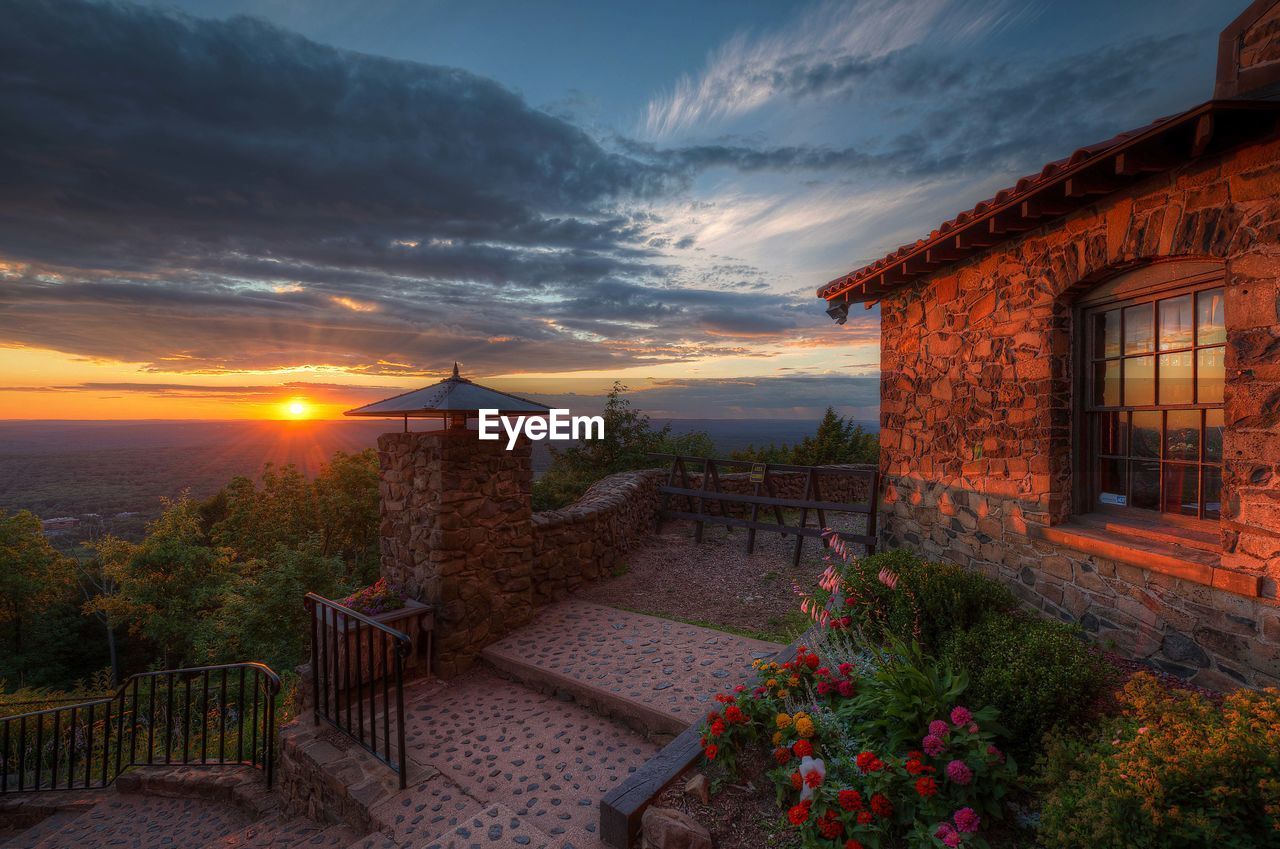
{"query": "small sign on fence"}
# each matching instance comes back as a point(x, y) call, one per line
point(757, 472)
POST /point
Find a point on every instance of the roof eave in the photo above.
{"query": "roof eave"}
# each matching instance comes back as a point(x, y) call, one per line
point(1211, 127)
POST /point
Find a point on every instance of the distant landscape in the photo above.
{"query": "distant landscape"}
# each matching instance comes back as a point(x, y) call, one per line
point(112, 475)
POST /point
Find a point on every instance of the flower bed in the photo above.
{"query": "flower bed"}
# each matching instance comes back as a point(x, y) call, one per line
point(887, 730)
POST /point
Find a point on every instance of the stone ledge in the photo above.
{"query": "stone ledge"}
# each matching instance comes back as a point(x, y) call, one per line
point(1185, 562)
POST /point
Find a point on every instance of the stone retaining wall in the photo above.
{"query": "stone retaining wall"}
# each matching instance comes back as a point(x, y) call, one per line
point(586, 540)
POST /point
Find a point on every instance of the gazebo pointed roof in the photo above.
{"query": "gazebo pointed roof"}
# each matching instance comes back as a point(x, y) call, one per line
point(455, 395)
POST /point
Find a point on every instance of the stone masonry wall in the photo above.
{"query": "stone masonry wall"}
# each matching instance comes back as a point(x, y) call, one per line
point(586, 540)
point(976, 416)
point(457, 530)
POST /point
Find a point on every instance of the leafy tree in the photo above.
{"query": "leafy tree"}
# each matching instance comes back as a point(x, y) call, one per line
point(629, 439)
point(172, 580)
point(837, 441)
point(97, 585)
point(260, 615)
point(334, 515)
point(32, 573)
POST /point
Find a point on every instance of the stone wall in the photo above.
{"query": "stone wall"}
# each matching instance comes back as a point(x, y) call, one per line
point(976, 422)
point(456, 529)
point(588, 539)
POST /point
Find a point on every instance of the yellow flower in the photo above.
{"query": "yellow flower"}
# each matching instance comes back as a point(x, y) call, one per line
point(795, 680)
point(777, 738)
point(782, 720)
point(755, 664)
point(804, 727)
point(782, 694)
point(772, 682)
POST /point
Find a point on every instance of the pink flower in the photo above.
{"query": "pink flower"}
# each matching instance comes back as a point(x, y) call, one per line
point(959, 773)
point(888, 578)
point(943, 830)
point(952, 840)
point(967, 820)
point(933, 745)
point(938, 728)
point(961, 716)
point(995, 753)
point(973, 728)
point(741, 688)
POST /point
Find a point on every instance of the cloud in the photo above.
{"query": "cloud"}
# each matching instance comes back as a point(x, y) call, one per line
point(214, 195)
point(832, 41)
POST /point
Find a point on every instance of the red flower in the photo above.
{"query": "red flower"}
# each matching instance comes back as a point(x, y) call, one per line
point(782, 755)
point(822, 673)
point(847, 689)
point(724, 699)
point(802, 748)
point(829, 825)
point(797, 780)
point(733, 713)
point(926, 787)
point(799, 813)
point(846, 669)
point(711, 751)
point(824, 687)
point(813, 779)
point(852, 844)
point(864, 818)
point(812, 661)
point(881, 806)
point(717, 728)
point(851, 800)
point(868, 762)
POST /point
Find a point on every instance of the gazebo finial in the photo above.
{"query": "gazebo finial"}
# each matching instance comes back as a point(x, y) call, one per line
point(455, 368)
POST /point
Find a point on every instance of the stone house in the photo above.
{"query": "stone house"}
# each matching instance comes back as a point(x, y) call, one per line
point(1080, 388)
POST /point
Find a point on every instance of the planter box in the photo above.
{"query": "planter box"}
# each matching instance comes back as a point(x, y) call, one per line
point(361, 642)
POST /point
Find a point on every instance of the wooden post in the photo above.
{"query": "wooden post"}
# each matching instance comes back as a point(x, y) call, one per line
point(804, 517)
point(706, 482)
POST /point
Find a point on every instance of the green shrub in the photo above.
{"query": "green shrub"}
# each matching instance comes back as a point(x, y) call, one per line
point(1037, 672)
point(1174, 772)
point(933, 599)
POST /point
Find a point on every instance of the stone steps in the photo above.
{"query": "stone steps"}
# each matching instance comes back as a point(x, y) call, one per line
point(655, 674)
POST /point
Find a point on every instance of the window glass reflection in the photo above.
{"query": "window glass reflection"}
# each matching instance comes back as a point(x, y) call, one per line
point(1182, 488)
point(1176, 385)
point(1144, 484)
point(1175, 323)
point(1145, 434)
point(1106, 334)
point(1211, 327)
point(1182, 435)
point(1213, 436)
point(1138, 334)
point(1210, 375)
point(1212, 492)
point(1139, 381)
point(1106, 384)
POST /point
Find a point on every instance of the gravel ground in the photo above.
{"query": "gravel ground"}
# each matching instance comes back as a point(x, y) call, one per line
point(715, 582)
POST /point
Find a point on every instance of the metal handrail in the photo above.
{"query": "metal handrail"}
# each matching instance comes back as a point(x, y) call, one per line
point(337, 659)
point(145, 701)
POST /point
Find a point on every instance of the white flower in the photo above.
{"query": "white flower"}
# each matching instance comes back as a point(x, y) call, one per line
point(810, 765)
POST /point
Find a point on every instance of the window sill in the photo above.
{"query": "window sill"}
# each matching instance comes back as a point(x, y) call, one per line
point(1166, 549)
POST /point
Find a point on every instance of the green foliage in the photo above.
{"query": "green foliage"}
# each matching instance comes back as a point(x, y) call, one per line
point(260, 615)
point(837, 440)
point(169, 582)
point(32, 573)
point(1039, 673)
point(928, 602)
point(897, 701)
point(336, 514)
point(629, 439)
point(1175, 771)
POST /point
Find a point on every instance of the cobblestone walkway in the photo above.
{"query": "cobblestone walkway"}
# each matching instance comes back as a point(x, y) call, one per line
point(498, 762)
point(659, 672)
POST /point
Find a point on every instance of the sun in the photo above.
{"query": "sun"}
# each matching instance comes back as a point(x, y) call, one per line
point(296, 409)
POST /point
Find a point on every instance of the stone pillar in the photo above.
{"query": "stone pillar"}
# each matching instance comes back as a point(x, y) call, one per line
point(456, 529)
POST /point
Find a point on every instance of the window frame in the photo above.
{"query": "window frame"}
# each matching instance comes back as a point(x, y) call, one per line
point(1146, 284)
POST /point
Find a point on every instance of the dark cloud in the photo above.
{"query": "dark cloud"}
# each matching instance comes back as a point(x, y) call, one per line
point(202, 195)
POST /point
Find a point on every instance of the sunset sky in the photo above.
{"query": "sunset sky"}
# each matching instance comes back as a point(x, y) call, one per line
point(219, 209)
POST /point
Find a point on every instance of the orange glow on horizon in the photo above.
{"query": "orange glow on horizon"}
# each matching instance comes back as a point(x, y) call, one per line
point(297, 408)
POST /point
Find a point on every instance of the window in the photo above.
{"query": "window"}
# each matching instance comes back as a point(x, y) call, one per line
point(1154, 376)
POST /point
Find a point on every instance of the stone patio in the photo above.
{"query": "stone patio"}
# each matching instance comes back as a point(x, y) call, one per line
point(519, 751)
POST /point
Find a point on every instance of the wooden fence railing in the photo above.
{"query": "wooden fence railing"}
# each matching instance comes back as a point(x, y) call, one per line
point(709, 502)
